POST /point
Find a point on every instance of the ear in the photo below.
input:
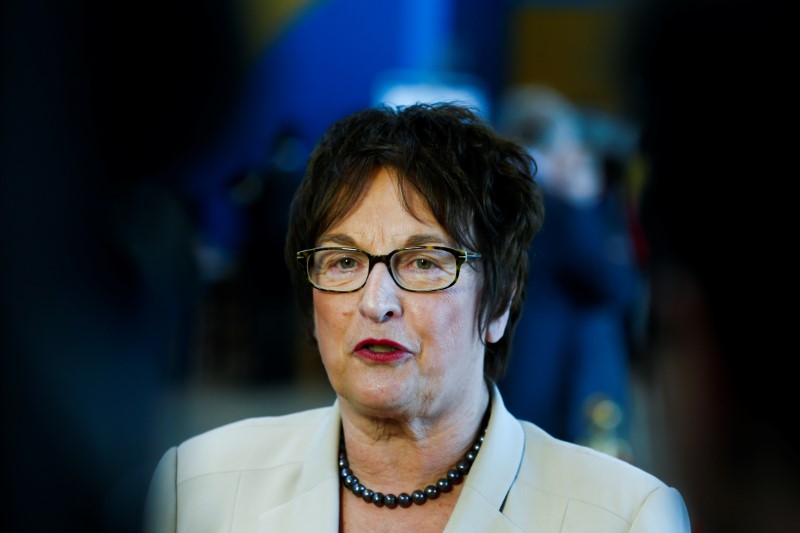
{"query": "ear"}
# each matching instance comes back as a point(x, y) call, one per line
point(497, 327)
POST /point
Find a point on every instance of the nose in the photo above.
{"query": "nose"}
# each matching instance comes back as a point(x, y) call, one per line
point(379, 298)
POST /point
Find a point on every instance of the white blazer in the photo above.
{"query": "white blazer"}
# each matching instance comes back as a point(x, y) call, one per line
point(280, 474)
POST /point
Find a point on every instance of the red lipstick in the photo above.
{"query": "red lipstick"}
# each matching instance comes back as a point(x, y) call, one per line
point(381, 350)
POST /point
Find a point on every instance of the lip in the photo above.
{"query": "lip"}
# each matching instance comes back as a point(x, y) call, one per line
point(363, 350)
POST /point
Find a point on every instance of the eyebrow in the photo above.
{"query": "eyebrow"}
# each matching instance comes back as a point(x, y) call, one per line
point(420, 239)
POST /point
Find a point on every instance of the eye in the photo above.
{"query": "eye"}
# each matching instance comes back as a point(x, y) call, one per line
point(423, 263)
point(333, 262)
point(346, 263)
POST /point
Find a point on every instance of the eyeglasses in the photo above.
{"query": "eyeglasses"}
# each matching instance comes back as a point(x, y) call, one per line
point(415, 269)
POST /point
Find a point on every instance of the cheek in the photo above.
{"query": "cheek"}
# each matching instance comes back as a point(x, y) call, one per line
point(327, 313)
point(451, 321)
point(315, 316)
point(332, 312)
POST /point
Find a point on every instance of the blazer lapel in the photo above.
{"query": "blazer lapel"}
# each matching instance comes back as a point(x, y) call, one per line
point(315, 507)
point(316, 510)
point(474, 513)
point(491, 476)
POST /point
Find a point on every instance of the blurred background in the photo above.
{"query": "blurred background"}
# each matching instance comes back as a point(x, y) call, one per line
point(149, 153)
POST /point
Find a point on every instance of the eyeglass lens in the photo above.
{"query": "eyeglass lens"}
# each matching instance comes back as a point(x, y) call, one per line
point(418, 270)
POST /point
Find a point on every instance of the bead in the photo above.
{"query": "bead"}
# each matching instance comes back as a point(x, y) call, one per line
point(404, 500)
point(358, 489)
point(444, 485)
point(367, 495)
point(377, 499)
point(463, 466)
point(471, 456)
point(431, 492)
point(344, 472)
point(390, 500)
point(418, 497)
point(343, 462)
point(349, 480)
point(454, 476)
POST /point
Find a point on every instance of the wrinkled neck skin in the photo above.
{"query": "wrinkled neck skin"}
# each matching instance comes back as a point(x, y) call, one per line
point(406, 451)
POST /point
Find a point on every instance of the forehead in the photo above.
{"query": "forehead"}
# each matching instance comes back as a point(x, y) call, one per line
point(385, 215)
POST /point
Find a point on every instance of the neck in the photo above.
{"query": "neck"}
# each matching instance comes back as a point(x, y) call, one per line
point(390, 454)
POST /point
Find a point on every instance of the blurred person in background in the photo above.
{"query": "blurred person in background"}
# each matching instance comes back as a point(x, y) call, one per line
point(407, 243)
point(98, 283)
point(570, 374)
point(719, 213)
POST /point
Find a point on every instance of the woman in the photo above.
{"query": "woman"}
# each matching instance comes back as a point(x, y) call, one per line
point(407, 242)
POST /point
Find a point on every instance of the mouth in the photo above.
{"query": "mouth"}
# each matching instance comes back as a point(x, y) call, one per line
point(381, 350)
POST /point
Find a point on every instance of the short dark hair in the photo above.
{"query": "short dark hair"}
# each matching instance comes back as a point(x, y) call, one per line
point(478, 184)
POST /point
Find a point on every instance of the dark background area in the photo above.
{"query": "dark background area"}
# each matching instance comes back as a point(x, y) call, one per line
point(147, 154)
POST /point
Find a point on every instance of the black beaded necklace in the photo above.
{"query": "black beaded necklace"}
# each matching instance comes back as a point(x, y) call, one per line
point(445, 484)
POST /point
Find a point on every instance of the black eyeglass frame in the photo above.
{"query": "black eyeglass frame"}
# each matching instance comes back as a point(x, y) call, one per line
point(462, 256)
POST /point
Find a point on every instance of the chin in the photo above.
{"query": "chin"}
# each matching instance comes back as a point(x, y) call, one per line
point(381, 400)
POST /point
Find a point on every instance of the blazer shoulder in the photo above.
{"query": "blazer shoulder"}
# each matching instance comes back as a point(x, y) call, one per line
point(584, 478)
point(250, 444)
point(547, 459)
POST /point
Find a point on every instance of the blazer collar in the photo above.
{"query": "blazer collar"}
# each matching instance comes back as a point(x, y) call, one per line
point(316, 506)
point(492, 475)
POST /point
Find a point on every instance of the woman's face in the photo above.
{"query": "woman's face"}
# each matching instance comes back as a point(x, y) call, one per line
point(390, 352)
